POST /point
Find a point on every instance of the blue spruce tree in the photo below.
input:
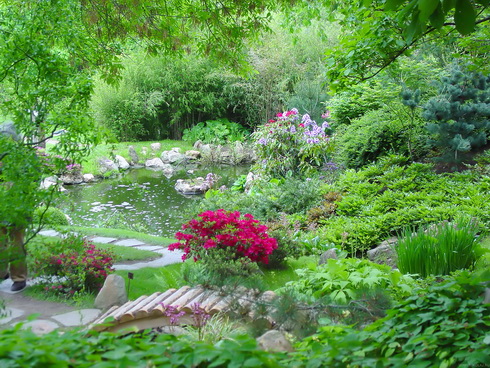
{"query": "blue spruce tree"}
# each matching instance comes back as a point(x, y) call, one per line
point(460, 115)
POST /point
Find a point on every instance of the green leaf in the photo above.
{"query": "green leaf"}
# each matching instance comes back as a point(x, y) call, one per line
point(465, 17)
point(447, 5)
point(393, 4)
point(437, 18)
point(427, 7)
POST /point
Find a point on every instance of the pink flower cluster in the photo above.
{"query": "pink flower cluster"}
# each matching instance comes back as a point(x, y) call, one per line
point(225, 230)
point(78, 271)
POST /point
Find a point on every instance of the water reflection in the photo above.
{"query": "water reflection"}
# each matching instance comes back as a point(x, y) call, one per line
point(143, 199)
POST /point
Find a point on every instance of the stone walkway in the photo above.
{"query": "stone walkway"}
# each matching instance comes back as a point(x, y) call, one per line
point(51, 316)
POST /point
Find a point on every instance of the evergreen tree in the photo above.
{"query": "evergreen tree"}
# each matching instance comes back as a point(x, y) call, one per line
point(460, 114)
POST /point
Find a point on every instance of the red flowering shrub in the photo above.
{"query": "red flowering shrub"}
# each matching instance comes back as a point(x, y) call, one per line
point(239, 237)
point(76, 270)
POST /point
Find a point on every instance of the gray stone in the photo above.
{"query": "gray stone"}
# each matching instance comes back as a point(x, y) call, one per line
point(88, 178)
point(77, 318)
point(74, 177)
point(40, 326)
point(384, 253)
point(164, 157)
point(129, 242)
point(112, 293)
point(198, 144)
point(149, 247)
point(103, 240)
point(156, 146)
point(274, 341)
point(11, 314)
point(49, 182)
point(121, 162)
point(487, 296)
point(175, 157)
point(329, 254)
point(168, 170)
point(133, 155)
point(168, 258)
point(192, 187)
point(107, 165)
point(144, 151)
point(155, 163)
point(192, 155)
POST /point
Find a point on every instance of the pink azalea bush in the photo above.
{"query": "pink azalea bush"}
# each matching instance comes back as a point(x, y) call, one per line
point(241, 237)
point(74, 271)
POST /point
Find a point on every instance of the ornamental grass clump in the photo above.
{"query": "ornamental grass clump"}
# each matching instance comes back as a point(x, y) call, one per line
point(222, 238)
point(439, 249)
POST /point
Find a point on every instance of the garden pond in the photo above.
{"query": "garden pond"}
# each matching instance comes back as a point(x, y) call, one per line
point(142, 200)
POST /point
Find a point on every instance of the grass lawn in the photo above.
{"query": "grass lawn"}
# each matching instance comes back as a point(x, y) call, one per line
point(147, 281)
point(120, 234)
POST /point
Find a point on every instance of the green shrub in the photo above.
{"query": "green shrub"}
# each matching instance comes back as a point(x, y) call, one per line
point(440, 248)
point(267, 199)
point(443, 325)
point(50, 216)
point(389, 130)
point(220, 131)
point(381, 200)
point(350, 105)
point(341, 279)
point(72, 265)
point(137, 350)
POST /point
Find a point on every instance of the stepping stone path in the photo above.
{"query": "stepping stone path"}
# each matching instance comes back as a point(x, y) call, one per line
point(57, 315)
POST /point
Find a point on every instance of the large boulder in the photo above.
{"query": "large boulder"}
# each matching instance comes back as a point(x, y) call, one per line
point(112, 293)
point(88, 178)
point(384, 253)
point(122, 163)
point(156, 146)
point(72, 177)
point(155, 163)
point(329, 254)
point(133, 155)
point(107, 165)
point(175, 157)
point(192, 187)
point(274, 341)
point(192, 154)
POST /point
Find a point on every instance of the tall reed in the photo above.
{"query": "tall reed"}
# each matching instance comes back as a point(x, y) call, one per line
point(439, 249)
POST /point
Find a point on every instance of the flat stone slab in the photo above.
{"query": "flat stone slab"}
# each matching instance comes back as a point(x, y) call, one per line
point(49, 233)
point(129, 242)
point(103, 240)
point(153, 248)
point(77, 318)
point(167, 259)
point(40, 326)
point(11, 313)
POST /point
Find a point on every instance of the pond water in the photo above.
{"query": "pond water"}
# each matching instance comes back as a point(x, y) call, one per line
point(142, 200)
